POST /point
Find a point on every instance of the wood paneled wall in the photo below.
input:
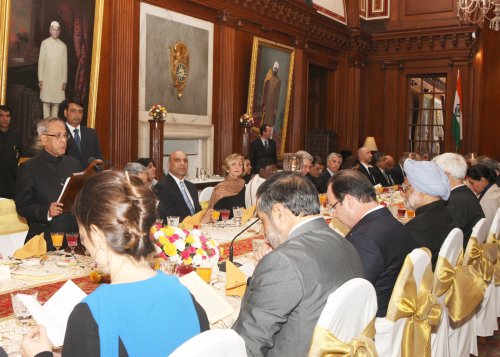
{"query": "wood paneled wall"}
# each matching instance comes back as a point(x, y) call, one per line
point(367, 70)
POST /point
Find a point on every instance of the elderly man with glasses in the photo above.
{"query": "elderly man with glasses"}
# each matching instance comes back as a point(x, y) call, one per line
point(40, 182)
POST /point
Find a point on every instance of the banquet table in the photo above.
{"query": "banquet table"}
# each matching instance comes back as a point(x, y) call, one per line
point(51, 275)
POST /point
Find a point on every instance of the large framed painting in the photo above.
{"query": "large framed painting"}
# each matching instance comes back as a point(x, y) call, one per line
point(270, 87)
point(24, 25)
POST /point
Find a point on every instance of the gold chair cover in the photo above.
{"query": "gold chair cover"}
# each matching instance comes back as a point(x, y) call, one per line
point(324, 343)
point(420, 308)
point(492, 238)
point(482, 257)
point(463, 287)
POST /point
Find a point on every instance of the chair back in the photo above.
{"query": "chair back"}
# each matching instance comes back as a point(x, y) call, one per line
point(420, 259)
point(480, 230)
point(495, 225)
point(452, 246)
point(205, 194)
point(213, 343)
point(349, 309)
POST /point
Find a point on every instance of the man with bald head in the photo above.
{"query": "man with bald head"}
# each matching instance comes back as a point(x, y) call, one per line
point(178, 197)
point(365, 158)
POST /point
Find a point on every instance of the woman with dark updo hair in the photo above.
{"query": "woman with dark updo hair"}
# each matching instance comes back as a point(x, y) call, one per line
point(142, 312)
point(482, 180)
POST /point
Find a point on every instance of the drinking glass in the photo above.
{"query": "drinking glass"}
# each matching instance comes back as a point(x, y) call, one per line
point(167, 266)
point(237, 213)
point(410, 213)
point(401, 213)
point(215, 216)
point(159, 223)
point(57, 240)
point(21, 313)
point(225, 215)
point(72, 239)
point(173, 221)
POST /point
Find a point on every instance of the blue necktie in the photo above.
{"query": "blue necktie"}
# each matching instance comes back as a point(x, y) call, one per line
point(77, 139)
point(186, 198)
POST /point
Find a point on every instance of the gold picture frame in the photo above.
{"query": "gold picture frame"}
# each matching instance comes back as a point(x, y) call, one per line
point(269, 92)
point(5, 26)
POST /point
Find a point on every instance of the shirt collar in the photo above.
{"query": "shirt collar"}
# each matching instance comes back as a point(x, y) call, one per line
point(176, 179)
point(298, 225)
point(71, 128)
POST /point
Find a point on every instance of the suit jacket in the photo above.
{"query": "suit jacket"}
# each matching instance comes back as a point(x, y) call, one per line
point(367, 173)
point(397, 174)
point(171, 200)
point(315, 181)
point(379, 177)
point(39, 183)
point(465, 208)
point(323, 181)
point(490, 202)
point(258, 151)
point(382, 243)
point(430, 227)
point(10, 145)
point(289, 289)
point(89, 143)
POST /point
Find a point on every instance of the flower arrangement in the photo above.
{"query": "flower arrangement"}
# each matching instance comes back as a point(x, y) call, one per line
point(246, 120)
point(185, 247)
point(158, 112)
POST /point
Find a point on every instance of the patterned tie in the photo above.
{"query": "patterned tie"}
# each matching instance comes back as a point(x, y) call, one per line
point(186, 198)
point(77, 139)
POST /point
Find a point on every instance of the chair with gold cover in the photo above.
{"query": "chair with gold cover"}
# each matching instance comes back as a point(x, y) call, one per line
point(220, 343)
point(346, 325)
point(412, 312)
point(493, 237)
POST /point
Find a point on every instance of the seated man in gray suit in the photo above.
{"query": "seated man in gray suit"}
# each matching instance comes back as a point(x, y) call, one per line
point(291, 283)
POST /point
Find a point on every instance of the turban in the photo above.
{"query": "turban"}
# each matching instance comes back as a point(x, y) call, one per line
point(428, 178)
point(54, 24)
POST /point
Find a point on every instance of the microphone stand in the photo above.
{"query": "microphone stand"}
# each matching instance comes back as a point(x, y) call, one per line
point(222, 266)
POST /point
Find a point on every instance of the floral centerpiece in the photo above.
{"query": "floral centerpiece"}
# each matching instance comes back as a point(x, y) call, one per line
point(158, 112)
point(185, 247)
point(246, 120)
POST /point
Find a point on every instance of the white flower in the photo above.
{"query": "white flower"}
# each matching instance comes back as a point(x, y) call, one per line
point(175, 258)
point(158, 234)
point(180, 245)
point(197, 259)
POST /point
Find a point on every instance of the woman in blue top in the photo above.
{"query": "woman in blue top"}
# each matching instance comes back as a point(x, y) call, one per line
point(142, 312)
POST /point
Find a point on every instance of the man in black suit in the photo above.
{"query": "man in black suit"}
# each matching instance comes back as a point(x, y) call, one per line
point(397, 173)
point(333, 162)
point(263, 147)
point(40, 181)
point(463, 203)
point(381, 241)
point(10, 145)
point(378, 171)
point(83, 143)
point(365, 159)
point(177, 196)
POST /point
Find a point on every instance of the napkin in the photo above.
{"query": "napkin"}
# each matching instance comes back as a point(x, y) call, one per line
point(35, 247)
point(247, 214)
point(204, 205)
point(190, 221)
point(236, 280)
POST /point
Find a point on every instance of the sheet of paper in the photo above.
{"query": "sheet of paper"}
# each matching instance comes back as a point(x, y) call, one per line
point(213, 304)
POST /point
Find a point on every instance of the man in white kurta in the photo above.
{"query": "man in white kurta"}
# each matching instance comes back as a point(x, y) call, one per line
point(52, 71)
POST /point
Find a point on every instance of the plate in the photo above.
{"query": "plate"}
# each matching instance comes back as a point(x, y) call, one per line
point(66, 263)
point(28, 263)
point(9, 262)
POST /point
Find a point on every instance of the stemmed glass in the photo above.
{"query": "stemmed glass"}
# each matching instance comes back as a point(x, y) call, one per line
point(57, 240)
point(72, 239)
point(215, 216)
point(21, 313)
point(225, 215)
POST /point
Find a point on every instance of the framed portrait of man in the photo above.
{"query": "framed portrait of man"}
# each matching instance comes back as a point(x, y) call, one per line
point(50, 51)
point(270, 87)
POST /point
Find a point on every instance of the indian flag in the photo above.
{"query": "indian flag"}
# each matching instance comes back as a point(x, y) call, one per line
point(456, 122)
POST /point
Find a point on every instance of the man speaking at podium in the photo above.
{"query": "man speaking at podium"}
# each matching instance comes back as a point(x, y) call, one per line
point(40, 182)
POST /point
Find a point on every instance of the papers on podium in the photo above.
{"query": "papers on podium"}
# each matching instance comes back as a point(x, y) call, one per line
point(54, 313)
point(214, 305)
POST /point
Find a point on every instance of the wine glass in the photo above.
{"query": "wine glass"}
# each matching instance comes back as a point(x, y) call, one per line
point(215, 216)
point(72, 239)
point(225, 215)
point(57, 240)
point(21, 313)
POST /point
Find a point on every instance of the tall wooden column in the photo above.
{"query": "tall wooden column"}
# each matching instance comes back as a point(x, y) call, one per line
point(392, 122)
point(352, 140)
point(156, 145)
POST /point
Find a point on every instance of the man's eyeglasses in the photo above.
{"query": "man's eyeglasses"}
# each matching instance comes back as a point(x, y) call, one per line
point(332, 207)
point(59, 136)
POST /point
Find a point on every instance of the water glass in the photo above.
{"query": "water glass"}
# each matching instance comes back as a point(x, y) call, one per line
point(173, 221)
point(167, 266)
point(21, 313)
point(237, 213)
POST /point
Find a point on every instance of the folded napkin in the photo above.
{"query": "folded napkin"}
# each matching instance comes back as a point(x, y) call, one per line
point(204, 205)
point(236, 280)
point(247, 214)
point(195, 220)
point(35, 247)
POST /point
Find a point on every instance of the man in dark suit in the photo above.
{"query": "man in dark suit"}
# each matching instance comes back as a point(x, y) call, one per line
point(178, 197)
point(333, 162)
point(305, 262)
point(263, 147)
point(83, 143)
point(397, 172)
point(10, 145)
point(381, 241)
point(378, 171)
point(426, 193)
point(365, 159)
point(463, 203)
point(40, 181)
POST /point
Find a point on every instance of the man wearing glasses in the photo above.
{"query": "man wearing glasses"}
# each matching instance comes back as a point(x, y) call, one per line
point(40, 181)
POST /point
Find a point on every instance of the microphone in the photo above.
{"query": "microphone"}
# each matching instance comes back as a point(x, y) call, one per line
point(222, 266)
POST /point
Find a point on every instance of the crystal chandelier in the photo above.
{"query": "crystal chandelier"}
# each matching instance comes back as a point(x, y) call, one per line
point(475, 11)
